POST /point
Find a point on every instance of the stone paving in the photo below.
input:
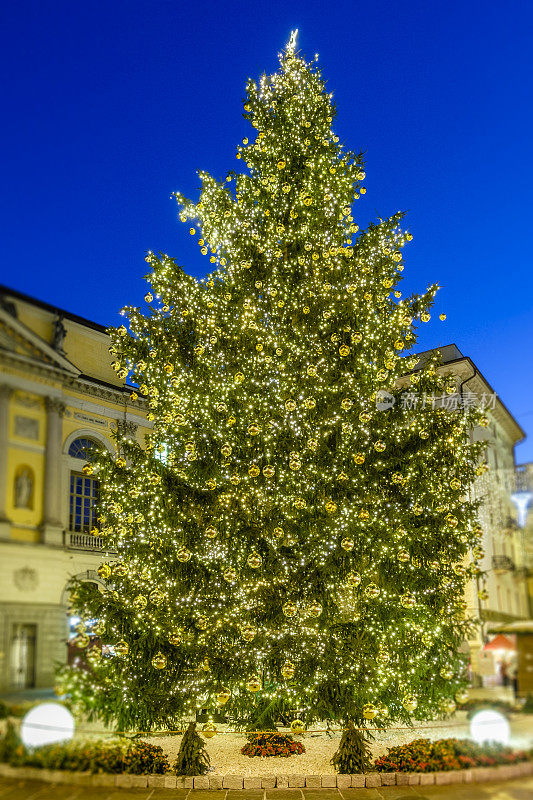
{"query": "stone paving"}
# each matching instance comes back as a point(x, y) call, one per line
point(520, 789)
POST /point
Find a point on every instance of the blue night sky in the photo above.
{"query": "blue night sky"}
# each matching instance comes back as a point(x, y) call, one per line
point(110, 106)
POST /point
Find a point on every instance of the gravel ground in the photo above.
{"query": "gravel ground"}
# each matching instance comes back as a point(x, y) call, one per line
point(226, 759)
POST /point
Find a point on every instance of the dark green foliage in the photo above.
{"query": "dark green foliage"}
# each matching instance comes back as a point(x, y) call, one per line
point(3, 710)
point(192, 757)
point(11, 747)
point(353, 755)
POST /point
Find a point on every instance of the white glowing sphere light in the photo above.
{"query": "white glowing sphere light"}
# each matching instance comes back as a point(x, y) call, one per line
point(490, 726)
point(46, 724)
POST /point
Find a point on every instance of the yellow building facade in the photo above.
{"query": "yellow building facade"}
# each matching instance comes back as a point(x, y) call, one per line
point(59, 396)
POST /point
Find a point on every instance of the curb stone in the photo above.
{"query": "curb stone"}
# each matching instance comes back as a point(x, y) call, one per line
point(235, 782)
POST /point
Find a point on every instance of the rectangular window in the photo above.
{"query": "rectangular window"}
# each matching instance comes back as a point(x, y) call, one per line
point(83, 497)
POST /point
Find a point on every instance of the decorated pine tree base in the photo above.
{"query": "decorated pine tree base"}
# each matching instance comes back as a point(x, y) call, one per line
point(192, 758)
point(282, 539)
point(353, 755)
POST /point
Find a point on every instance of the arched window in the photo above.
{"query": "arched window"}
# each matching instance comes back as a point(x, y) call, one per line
point(82, 448)
point(83, 493)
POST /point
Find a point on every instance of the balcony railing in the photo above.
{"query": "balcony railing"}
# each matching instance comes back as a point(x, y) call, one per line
point(84, 541)
point(502, 564)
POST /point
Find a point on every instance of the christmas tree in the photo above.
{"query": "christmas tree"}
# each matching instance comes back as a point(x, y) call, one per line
point(292, 541)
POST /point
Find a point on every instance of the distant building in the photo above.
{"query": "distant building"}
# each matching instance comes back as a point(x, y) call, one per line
point(58, 396)
point(505, 561)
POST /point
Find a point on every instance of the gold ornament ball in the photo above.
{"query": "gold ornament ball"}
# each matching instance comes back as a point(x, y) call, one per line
point(331, 507)
point(209, 730)
point(223, 696)
point(248, 632)
point(448, 705)
point(174, 637)
point(314, 609)
point(344, 351)
point(156, 597)
point(82, 641)
point(211, 532)
point(159, 661)
point(288, 669)
point(254, 471)
point(297, 726)
point(254, 560)
point(202, 623)
point(122, 648)
point(410, 703)
point(446, 673)
point(380, 446)
point(370, 711)
point(403, 555)
point(461, 696)
point(253, 429)
point(229, 575)
point(253, 684)
point(140, 602)
point(347, 543)
point(104, 571)
point(120, 570)
point(290, 610)
point(359, 458)
point(372, 591)
point(183, 555)
point(353, 578)
point(268, 471)
point(408, 601)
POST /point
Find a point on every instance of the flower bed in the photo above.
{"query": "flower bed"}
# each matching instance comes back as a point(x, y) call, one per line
point(272, 744)
point(423, 755)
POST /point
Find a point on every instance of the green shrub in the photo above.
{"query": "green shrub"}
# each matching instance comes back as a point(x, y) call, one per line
point(192, 758)
point(423, 755)
point(354, 755)
point(111, 756)
point(4, 710)
point(11, 747)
